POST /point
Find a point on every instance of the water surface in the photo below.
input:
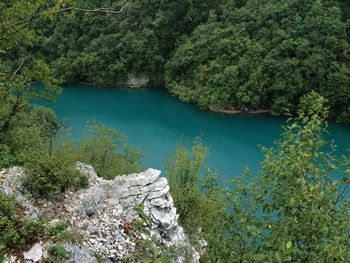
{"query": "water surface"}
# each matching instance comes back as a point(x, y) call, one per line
point(154, 121)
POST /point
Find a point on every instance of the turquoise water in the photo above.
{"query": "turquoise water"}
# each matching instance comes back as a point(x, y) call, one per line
point(154, 121)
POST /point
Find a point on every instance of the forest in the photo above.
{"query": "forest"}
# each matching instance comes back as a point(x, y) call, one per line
point(241, 55)
point(286, 56)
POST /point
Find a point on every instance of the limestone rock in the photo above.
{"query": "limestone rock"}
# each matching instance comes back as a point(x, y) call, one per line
point(103, 213)
point(137, 80)
point(79, 253)
point(10, 259)
point(34, 254)
point(11, 185)
point(106, 208)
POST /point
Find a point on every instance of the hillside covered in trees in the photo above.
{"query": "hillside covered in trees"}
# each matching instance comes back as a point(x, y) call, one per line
point(244, 55)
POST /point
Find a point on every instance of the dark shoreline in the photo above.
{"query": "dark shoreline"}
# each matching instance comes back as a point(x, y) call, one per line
point(233, 112)
point(123, 85)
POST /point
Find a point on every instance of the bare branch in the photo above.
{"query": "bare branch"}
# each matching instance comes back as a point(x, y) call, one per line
point(341, 194)
point(21, 64)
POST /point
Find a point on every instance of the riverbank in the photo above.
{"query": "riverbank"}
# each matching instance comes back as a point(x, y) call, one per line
point(124, 85)
point(128, 85)
point(234, 111)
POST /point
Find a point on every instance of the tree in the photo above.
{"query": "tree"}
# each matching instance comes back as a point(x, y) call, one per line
point(306, 205)
point(102, 147)
point(20, 70)
point(25, 77)
point(50, 122)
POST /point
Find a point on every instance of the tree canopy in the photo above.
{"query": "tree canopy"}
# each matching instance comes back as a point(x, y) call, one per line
point(106, 48)
point(266, 55)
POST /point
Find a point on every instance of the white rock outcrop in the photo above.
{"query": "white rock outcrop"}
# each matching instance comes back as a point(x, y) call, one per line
point(34, 254)
point(103, 212)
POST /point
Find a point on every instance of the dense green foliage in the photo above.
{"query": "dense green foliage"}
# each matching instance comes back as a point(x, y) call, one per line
point(16, 232)
point(49, 177)
point(57, 254)
point(295, 210)
point(266, 55)
point(345, 7)
point(243, 55)
point(106, 48)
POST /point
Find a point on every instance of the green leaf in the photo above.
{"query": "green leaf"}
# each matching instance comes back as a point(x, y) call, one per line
point(146, 259)
point(279, 257)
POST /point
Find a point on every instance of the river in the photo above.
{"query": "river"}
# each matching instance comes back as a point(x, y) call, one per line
point(155, 122)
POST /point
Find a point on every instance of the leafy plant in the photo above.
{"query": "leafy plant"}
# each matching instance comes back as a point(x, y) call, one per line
point(57, 254)
point(195, 194)
point(104, 148)
point(49, 176)
point(16, 231)
point(59, 228)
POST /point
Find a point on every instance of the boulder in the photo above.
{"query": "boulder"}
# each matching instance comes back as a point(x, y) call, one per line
point(34, 254)
point(79, 253)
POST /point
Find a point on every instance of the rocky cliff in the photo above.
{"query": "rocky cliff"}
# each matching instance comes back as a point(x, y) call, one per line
point(103, 213)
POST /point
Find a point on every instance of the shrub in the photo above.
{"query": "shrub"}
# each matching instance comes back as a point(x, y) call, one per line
point(6, 157)
point(16, 231)
point(60, 227)
point(197, 201)
point(57, 254)
point(49, 176)
point(104, 148)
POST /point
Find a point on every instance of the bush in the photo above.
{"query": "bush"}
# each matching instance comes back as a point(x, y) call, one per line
point(16, 231)
point(105, 149)
point(197, 198)
point(57, 254)
point(6, 157)
point(49, 177)
point(60, 228)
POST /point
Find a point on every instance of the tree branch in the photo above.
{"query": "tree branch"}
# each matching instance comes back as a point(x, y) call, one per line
point(21, 64)
point(341, 194)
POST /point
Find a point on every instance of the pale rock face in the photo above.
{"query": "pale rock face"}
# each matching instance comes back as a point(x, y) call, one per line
point(79, 253)
point(11, 259)
point(103, 208)
point(10, 184)
point(34, 254)
point(137, 81)
point(101, 212)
